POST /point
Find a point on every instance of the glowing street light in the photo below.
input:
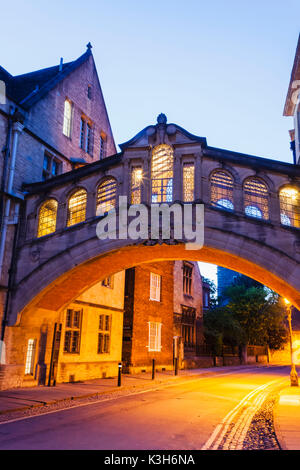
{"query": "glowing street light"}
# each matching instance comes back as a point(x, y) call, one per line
point(293, 374)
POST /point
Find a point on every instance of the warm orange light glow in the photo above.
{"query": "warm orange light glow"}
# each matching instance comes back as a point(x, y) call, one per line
point(287, 302)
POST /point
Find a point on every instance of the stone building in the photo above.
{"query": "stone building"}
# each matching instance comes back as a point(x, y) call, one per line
point(53, 120)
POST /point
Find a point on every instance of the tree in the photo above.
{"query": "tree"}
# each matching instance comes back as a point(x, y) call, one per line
point(252, 315)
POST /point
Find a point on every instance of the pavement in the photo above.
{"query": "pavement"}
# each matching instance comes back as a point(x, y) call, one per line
point(18, 399)
point(287, 418)
point(286, 411)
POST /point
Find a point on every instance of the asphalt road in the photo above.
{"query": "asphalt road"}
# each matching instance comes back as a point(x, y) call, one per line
point(205, 413)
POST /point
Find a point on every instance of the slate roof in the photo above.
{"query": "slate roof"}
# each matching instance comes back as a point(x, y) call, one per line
point(28, 88)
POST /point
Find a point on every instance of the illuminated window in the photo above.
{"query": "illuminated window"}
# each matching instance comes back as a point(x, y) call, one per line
point(290, 207)
point(162, 174)
point(47, 218)
point(136, 185)
point(29, 363)
point(154, 336)
point(104, 334)
point(77, 207)
point(72, 331)
point(187, 278)
point(155, 280)
point(106, 196)
point(188, 182)
point(256, 199)
point(67, 118)
point(221, 187)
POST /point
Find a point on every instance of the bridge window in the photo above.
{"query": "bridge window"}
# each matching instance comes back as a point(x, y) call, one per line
point(290, 207)
point(47, 218)
point(136, 185)
point(77, 207)
point(256, 199)
point(162, 174)
point(222, 190)
point(106, 196)
point(188, 182)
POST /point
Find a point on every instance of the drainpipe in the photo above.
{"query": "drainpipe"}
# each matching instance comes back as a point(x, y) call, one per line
point(17, 129)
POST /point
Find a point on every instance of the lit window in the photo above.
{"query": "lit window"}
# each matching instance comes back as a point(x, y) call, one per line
point(188, 182)
point(104, 334)
point(162, 174)
point(290, 207)
point(155, 280)
point(106, 196)
point(154, 336)
point(136, 185)
point(187, 278)
point(67, 118)
point(77, 207)
point(256, 199)
point(47, 218)
point(102, 147)
point(30, 357)
point(222, 190)
point(72, 331)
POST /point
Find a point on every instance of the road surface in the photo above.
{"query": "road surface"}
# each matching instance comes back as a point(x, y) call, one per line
point(212, 412)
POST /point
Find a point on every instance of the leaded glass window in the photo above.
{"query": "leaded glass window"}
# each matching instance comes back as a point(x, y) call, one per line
point(256, 199)
point(222, 190)
point(106, 196)
point(188, 182)
point(162, 174)
point(67, 118)
point(136, 185)
point(290, 206)
point(47, 218)
point(77, 207)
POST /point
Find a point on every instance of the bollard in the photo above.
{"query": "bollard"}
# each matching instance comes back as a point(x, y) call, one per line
point(176, 365)
point(119, 374)
point(153, 369)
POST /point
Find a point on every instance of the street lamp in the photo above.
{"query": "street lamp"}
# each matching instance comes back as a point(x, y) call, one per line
point(293, 374)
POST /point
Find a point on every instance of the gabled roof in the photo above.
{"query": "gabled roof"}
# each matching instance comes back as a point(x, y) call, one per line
point(28, 88)
point(289, 106)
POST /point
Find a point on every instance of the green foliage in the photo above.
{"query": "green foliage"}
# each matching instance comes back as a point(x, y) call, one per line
point(253, 315)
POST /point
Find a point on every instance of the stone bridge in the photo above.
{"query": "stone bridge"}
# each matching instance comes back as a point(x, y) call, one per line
point(251, 217)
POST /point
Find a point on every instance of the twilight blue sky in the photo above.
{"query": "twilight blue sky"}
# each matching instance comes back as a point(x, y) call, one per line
point(220, 69)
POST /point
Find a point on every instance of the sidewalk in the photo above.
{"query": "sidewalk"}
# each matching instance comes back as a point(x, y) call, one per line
point(18, 399)
point(287, 418)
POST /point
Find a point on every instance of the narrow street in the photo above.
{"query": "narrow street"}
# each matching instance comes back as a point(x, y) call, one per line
point(228, 410)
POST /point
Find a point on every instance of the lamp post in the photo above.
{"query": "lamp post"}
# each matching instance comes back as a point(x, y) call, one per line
point(293, 374)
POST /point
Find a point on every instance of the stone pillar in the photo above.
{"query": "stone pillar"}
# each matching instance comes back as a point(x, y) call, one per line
point(177, 178)
point(274, 208)
point(146, 183)
point(198, 177)
point(61, 221)
point(238, 198)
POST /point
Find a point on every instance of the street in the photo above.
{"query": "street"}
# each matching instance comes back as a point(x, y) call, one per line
point(216, 412)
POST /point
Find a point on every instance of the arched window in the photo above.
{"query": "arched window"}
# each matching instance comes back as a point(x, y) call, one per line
point(136, 185)
point(77, 207)
point(47, 218)
point(256, 199)
point(162, 174)
point(290, 206)
point(221, 187)
point(106, 196)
